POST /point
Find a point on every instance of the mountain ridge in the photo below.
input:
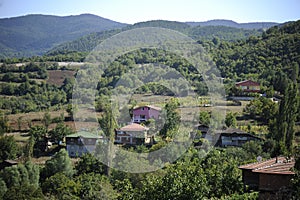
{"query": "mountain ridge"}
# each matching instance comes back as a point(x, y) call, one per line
point(36, 34)
point(89, 42)
point(231, 23)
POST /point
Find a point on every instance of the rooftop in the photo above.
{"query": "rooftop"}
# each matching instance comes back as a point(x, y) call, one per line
point(230, 131)
point(248, 83)
point(148, 106)
point(83, 134)
point(279, 165)
point(133, 127)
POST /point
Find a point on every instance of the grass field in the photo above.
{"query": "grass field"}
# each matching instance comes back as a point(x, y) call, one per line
point(57, 77)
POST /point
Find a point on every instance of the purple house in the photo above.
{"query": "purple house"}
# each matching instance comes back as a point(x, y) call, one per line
point(143, 113)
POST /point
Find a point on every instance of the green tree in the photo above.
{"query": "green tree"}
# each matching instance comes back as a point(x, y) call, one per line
point(95, 186)
point(68, 87)
point(204, 118)
point(59, 132)
point(25, 191)
point(230, 119)
point(182, 180)
point(108, 125)
point(4, 126)
point(71, 109)
point(223, 176)
point(261, 108)
point(61, 186)
point(172, 120)
point(19, 121)
point(282, 127)
point(29, 148)
point(46, 119)
point(22, 174)
point(9, 148)
point(124, 189)
point(3, 188)
point(88, 164)
point(37, 132)
point(59, 163)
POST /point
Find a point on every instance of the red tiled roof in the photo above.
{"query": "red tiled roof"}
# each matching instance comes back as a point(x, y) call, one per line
point(247, 83)
point(148, 106)
point(133, 127)
point(271, 166)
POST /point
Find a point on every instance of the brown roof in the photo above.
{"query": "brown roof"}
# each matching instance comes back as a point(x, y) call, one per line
point(133, 127)
point(271, 166)
point(230, 130)
point(148, 106)
point(247, 83)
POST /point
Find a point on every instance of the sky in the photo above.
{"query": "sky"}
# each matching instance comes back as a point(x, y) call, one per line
point(132, 11)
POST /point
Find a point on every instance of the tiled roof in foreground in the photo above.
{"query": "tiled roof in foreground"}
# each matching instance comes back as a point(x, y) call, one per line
point(279, 165)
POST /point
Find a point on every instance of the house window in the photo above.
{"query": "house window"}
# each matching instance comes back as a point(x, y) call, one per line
point(143, 108)
point(148, 108)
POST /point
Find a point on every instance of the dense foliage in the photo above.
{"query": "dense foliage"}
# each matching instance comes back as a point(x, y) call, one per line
point(89, 42)
point(270, 58)
point(26, 90)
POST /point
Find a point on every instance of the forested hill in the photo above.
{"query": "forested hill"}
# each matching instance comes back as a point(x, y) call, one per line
point(270, 58)
point(89, 42)
point(233, 24)
point(35, 34)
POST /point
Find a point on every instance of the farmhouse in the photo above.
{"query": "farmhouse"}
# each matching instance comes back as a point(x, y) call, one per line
point(143, 113)
point(268, 176)
point(233, 137)
point(224, 137)
point(81, 143)
point(133, 134)
point(248, 86)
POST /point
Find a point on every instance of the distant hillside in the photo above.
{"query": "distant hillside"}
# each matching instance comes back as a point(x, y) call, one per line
point(271, 58)
point(35, 34)
point(89, 42)
point(178, 26)
point(229, 23)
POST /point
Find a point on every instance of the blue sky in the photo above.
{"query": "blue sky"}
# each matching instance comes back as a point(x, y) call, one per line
point(132, 11)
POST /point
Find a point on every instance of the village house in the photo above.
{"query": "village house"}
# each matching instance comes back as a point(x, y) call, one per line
point(133, 134)
point(268, 177)
point(248, 86)
point(234, 137)
point(81, 143)
point(223, 137)
point(143, 113)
